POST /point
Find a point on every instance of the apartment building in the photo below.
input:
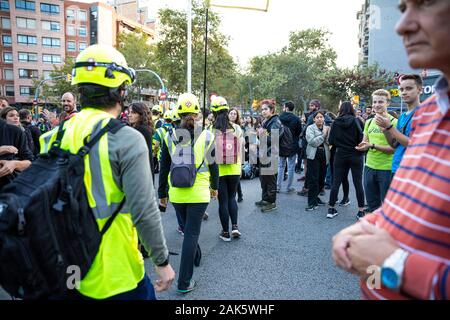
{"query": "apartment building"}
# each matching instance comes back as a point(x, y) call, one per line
point(36, 35)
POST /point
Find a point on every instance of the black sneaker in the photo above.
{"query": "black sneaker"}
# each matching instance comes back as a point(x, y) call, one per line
point(235, 232)
point(344, 203)
point(320, 202)
point(332, 212)
point(269, 207)
point(322, 192)
point(311, 208)
point(360, 215)
point(225, 236)
point(303, 193)
point(239, 200)
point(191, 287)
point(205, 216)
point(261, 203)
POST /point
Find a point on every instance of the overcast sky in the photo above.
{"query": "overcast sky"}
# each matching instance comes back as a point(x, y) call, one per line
point(257, 33)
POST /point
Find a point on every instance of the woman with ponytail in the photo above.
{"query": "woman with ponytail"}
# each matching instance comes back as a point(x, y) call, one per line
point(228, 146)
point(193, 179)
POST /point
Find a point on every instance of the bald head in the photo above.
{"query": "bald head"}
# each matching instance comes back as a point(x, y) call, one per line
point(69, 102)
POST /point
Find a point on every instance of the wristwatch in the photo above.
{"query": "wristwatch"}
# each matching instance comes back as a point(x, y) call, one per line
point(372, 146)
point(392, 269)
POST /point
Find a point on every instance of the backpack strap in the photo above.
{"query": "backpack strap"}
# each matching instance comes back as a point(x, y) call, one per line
point(113, 126)
point(111, 219)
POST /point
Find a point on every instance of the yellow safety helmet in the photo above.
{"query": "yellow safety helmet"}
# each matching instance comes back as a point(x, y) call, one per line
point(218, 104)
point(187, 103)
point(175, 116)
point(157, 108)
point(102, 65)
point(168, 115)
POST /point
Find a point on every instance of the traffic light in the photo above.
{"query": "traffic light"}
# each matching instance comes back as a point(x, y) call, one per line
point(68, 77)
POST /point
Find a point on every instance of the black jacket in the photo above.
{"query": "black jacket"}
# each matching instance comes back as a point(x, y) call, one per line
point(346, 133)
point(273, 123)
point(35, 134)
point(13, 136)
point(290, 120)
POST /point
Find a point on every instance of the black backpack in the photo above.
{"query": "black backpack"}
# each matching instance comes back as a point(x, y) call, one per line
point(183, 171)
point(46, 224)
point(286, 142)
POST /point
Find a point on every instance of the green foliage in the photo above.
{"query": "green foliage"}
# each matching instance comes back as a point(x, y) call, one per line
point(342, 84)
point(294, 72)
point(171, 52)
point(52, 91)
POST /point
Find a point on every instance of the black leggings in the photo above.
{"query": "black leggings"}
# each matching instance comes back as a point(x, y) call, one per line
point(228, 208)
point(315, 176)
point(341, 168)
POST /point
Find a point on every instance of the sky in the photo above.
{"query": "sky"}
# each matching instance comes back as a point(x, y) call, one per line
point(255, 33)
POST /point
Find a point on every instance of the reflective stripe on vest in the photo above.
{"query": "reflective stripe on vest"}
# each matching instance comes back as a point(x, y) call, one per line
point(118, 266)
point(199, 192)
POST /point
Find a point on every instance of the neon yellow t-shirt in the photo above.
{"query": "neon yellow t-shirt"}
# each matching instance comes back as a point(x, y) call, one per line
point(376, 159)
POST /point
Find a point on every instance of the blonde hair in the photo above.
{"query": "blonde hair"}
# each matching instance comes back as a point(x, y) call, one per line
point(382, 93)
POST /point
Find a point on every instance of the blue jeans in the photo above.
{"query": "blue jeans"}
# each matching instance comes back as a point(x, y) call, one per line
point(291, 169)
point(376, 186)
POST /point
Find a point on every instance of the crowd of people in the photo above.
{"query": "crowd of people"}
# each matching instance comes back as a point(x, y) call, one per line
point(399, 167)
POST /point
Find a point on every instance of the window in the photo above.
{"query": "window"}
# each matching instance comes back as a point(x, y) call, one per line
point(51, 25)
point(28, 74)
point(26, 23)
point(70, 31)
point(9, 74)
point(4, 5)
point(82, 46)
point(28, 57)
point(7, 41)
point(82, 15)
point(51, 42)
point(9, 91)
point(6, 23)
point(7, 57)
point(70, 14)
point(82, 31)
point(47, 74)
point(51, 58)
point(27, 40)
point(26, 91)
point(49, 8)
point(25, 5)
point(71, 46)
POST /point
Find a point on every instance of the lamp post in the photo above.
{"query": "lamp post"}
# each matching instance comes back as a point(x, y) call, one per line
point(163, 88)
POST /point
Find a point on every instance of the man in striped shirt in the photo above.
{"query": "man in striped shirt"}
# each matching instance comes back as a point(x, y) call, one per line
point(402, 250)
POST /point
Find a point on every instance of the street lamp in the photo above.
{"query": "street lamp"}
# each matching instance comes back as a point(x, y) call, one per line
point(163, 88)
point(36, 93)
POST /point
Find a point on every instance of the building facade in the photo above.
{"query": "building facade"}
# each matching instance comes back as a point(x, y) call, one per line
point(378, 40)
point(36, 36)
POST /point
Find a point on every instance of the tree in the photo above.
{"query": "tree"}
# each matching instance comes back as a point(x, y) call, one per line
point(52, 91)
point(171, 52)
point(294, 72)
point(342, 84)
point(139, 54)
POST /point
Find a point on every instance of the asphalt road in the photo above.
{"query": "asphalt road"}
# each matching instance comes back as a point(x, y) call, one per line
point(284, 254)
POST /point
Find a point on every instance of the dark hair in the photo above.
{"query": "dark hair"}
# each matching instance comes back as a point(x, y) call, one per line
point(221, 121)
point(96, 96)
point(316, 103)
point(188, 121)
point(415, 77)
point(238, 118)
point(319, 112)
point(142, 110)
point(24, 114)
point(5, 111)
point(289, 105)
point(346, 108)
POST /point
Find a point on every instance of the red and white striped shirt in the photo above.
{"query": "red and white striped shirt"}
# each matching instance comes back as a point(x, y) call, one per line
point(416, 211)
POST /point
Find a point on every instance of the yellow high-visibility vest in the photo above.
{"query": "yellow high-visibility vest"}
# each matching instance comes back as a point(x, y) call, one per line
point(118, 266)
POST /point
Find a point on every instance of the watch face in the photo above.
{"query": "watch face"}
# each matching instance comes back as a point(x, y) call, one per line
point(389, 278)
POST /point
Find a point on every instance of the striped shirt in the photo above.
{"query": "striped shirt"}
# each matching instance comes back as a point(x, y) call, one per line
point(416, 211)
